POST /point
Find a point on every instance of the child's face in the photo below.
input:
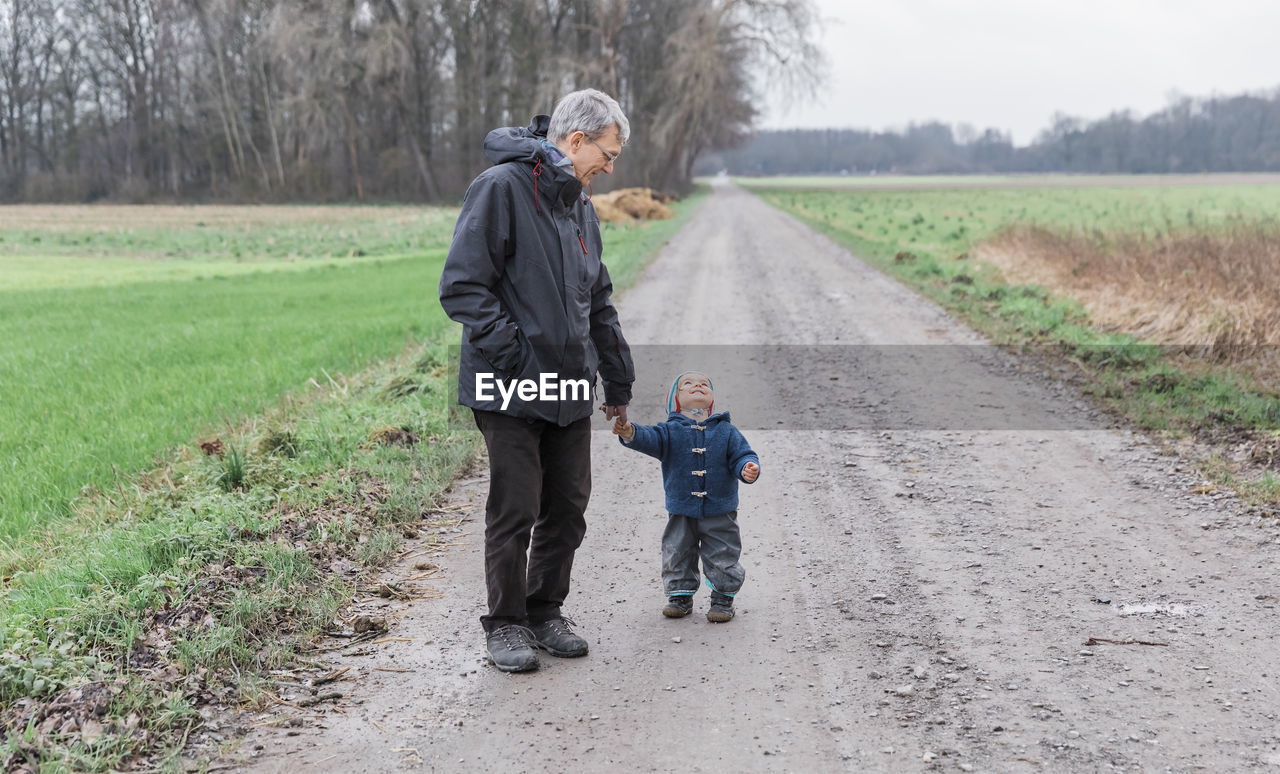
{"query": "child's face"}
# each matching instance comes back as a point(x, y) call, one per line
point(694, 392)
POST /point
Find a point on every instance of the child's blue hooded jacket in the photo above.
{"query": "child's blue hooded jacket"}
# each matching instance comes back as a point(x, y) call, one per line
point(701, 463)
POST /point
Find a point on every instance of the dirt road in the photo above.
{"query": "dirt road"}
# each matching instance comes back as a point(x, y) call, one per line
point(936, 535)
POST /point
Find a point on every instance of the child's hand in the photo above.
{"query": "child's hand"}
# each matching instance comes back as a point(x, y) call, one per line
point(750, 472)
point(623, 427)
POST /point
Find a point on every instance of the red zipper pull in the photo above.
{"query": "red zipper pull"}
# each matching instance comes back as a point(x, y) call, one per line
point(584, 244)
point(537, 172)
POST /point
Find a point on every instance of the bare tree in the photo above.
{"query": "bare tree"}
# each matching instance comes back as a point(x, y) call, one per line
point(331, 99)
point(691, 66)
point(15, 87)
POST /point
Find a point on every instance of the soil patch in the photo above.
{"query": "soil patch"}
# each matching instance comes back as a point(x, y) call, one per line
point(631, 204)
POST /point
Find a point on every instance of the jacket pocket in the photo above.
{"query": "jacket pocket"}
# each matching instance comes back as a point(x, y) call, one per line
point(511, 365)
point(526, 354)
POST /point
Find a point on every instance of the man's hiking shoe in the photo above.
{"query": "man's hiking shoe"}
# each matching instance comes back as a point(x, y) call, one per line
point(510, 648)
point(678, 606)
point(555, 637)
point(721, 609)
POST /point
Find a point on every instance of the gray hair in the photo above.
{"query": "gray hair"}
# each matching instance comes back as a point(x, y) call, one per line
point(589, 111)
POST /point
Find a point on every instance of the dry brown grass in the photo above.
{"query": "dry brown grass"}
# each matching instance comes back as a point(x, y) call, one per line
point(630, 204)
point(1215, 290)
point(110, 217)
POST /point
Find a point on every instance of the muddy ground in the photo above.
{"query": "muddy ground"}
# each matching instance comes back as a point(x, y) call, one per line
point(953, 564)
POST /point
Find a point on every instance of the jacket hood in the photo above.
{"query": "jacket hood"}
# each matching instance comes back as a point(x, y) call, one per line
point(518, 143)
point(524, 144)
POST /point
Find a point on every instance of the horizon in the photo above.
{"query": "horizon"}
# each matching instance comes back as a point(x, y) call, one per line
point(1271, 92)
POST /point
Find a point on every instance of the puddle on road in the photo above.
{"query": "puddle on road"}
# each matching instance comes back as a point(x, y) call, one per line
point(1172, 609)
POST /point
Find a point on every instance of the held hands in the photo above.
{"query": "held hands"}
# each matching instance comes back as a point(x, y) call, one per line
point(623, 428)
point(611, 412)
point(750, 471)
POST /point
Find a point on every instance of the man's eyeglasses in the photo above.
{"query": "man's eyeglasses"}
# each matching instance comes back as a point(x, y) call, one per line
point(608, 157)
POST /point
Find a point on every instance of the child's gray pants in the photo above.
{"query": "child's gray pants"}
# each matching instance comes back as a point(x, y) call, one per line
point(716, 539)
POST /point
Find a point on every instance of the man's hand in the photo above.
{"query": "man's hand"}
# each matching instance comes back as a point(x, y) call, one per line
point(624, 428)
point(750, 472)
point(613, 412)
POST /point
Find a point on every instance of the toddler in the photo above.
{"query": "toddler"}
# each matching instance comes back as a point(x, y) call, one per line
point(703, 458)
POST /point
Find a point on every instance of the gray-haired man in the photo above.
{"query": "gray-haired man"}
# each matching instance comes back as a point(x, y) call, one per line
point(525, 279)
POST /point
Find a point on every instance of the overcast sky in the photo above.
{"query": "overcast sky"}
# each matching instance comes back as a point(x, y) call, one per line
point(1010, 64)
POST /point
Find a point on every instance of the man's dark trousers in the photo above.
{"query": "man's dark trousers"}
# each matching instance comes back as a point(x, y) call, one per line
point(539, 485)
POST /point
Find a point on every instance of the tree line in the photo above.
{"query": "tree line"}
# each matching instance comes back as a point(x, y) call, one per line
point(1218, 134)
point(363, 99)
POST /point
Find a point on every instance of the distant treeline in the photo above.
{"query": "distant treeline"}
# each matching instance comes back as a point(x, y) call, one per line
point(1219, 134)
point(357, 99)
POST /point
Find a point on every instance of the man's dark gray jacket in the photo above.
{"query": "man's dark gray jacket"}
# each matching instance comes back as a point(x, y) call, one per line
point(524, 277)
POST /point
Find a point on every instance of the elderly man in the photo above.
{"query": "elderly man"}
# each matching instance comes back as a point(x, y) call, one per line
point(525, 279)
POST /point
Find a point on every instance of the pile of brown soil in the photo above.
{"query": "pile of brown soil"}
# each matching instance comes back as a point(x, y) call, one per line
point(630, 204)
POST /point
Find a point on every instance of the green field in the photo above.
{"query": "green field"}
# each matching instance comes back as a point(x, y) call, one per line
point(944, 218)
point(133, 331)
point(128, 331)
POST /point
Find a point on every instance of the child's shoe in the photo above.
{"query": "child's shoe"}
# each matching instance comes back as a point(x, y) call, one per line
point(721, 609)
point(678, 606)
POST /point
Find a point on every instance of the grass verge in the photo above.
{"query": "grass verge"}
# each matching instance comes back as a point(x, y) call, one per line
point(928, 240)
point(181, 589)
